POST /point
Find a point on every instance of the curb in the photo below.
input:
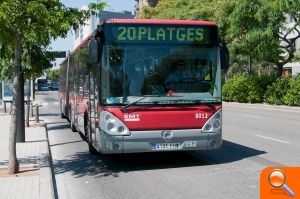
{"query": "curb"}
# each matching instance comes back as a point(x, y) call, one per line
point(269, 106)
point(48, 185)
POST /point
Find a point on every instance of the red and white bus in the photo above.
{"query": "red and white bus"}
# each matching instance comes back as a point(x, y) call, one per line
point(143, 85)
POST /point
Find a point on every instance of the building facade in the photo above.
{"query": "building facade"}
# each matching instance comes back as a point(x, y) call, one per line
point(292, 68)
point(142, 3)
point(83, 31)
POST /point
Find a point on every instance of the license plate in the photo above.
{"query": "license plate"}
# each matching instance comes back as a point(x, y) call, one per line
point(166, 146)
point(190, 144)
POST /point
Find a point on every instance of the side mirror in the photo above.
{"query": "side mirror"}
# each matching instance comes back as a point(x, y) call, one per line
point(224, 57)
point(94, 52)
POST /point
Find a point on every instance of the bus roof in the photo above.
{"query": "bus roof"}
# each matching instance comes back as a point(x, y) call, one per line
point(147, 21)
point(160, 21)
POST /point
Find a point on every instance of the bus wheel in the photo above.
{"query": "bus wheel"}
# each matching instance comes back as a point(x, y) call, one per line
point(72, 123)
point(87, 132)
point(61, 110)
point(71, 116)
point(69, 113)
point(86, 125)
point(92, 149)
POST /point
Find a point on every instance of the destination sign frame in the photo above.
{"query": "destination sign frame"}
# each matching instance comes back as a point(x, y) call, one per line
point(160, 33)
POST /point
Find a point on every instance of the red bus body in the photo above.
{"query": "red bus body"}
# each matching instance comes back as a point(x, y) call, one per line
point(160, 124)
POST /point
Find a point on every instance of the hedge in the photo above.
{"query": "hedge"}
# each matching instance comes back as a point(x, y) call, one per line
point(242, 88)
point(258, 89)
point(276, 91)
point(292, 97)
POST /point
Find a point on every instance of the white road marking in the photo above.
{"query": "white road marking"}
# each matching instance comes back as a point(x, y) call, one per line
point(269, 138)
point(253, 116)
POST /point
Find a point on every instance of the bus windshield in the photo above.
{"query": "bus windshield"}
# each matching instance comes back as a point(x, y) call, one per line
point(134, 71)
point(176, 71)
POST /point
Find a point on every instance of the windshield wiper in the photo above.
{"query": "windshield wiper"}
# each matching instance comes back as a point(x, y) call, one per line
point(133, 103)
point(207, 102)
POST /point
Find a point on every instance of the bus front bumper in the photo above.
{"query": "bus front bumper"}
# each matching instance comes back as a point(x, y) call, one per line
point(155, 141)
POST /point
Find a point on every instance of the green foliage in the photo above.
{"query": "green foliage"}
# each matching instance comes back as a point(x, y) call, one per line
point(36, 23)
point(36, 60)
point(257, 89)
point(5, 69)
point(297, 56)
point(180, 9)
point(53, 74)
point(257, 28)
point(245, 89)
point(255, 92)
point(292, 96)
point(236, 89)
point(264, 81)
point(276, 91)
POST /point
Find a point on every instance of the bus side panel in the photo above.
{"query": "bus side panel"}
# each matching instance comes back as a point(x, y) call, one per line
point(83, 86)
point(71, 86)
point(62, 87)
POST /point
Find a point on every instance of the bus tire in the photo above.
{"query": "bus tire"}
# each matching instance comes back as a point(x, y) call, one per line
point(69, 113)
point(92, 149)
point(72, 123)
point(85, 125)
point(73, 127)
point(62, 115)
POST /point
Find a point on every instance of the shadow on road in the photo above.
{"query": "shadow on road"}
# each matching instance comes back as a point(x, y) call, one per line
point(49, 114)
point(82, 164)
point(62, 125)
point(229, 152)
point(64, 143)
point(32, 160)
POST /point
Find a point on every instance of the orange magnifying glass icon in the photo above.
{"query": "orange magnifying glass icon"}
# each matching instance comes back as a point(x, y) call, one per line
point(277, 179)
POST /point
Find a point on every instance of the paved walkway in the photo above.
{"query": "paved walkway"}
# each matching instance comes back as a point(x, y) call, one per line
point(35, 179)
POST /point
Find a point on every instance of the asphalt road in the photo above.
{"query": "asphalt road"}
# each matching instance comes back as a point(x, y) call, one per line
point(255, 136)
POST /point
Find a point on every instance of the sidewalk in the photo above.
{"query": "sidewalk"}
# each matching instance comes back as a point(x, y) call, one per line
point(35, 179)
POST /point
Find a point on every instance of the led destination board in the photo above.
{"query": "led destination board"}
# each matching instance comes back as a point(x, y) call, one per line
point(129, 33)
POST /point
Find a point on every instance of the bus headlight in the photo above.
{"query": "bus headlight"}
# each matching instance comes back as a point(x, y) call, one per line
point(214, 124)
point(208, 127)
point(217, 124)
point(121, 129)
point(111, 125)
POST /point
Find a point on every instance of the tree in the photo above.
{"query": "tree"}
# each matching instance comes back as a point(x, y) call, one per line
point(27, 23)
point(254, 28)
point(258, 28)
point(180, 9)
point(53, 74)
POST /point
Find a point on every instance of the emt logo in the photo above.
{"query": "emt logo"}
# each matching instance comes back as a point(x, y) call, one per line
point(132, 117)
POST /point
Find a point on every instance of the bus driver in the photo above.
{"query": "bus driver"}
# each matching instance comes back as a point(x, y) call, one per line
point(181, 73)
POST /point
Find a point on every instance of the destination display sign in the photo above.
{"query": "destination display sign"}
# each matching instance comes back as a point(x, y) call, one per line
point(135, 33)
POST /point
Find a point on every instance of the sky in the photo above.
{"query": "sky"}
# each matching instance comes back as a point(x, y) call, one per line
point(67, 43)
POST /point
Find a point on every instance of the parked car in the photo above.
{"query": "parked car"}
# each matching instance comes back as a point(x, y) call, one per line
point(42, 85)
point(54, 86)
